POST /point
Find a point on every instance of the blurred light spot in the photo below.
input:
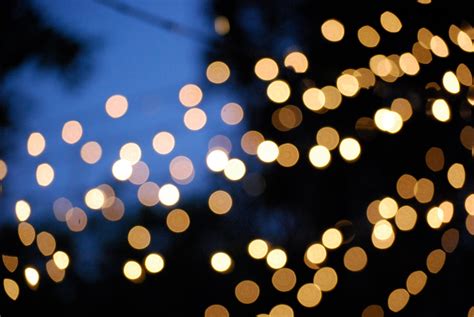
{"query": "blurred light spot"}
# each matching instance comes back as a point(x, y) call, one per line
point(139, 237)
point(131, 152)
point(220, 202)
point(154, 263)
point(388, 121)
point(3, 170)
point(464, 75)
point(349, 149)
point(216, 311)
point(195, 119)
point(406, 186)
point(309, 295)
point(114, 209)
point(388, 207)
point(313, 98)
point(316, 253)
point(383, 230)
point(327, 137)
point(217, 72)
point(221, 262)
point(32, 276)
point(267, 151)
point(278, 91)
point(469, 204)
point(247, 292)
point(465, 42)
point(266, 69)
point(424, 190)
point(232, 113)
point(276, 259)
point(72, 132)
point(435, 261)
point(178, 220)
point(148, 194)
point(297, 61)
point(181, 170)
point(409, 64)
point(250, 141)
point(438, 46)
point(217, 160)
point(116, 106)
point(467, 137)
point(325, 278)
point(132, 270)
point(373, 311)
point(332, 30)
point(406, 217)
point(319, 156)
point(434, 159)
point(163, 142)
point(355, 259)
point(332, 238)
point(416, 281)
point(347, 85)
point(94, 199)
point(368, 36)
point(450, 240)
point(168, 194)
point(332, 97)
point(257, 249)
point(190, 95)
point(26, 233)
point(36, 144)
point(140, 173)
point(56, 274)
point(122, 169)
point(61, 259)
point(390, 22)
point(451, 83)
point(398, 299)
point(91, 152)
point(456, 175)
point(10, 262)
point(46, 243)
point(448, 211)
point(281, 310)
point(235, 169)
point(76, 219)
point(373, 214)
point(288, 155)
point(284, 280)
point(11, 288)
point(22, 210)
point(44, 174)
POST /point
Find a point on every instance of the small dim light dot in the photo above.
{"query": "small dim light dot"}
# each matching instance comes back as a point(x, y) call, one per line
point(116, 106)
point(319, 156)
point(267, 151)
point(122, 169)
point(373, 311)
point(258, 249)
point(22, 210)
point(61, 259)
point(332, 238)
point(424, 190)
point(221, 262)
point(435, 261)
point(44, 174)
point(266, 69)
point(32, 276)
point(154, 263)
point(278, 91)
point(217, 160)
point(349, 149)
point(250, 141)
point(221, 25)
point(276, 259)
point(132, 270)
point(332, 30)
point(72, 132)
point(218, 72)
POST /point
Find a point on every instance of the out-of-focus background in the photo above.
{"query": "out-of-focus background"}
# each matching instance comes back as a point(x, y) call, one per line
point(243, 158)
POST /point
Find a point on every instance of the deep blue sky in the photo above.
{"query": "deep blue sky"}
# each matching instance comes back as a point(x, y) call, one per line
point(147, 65)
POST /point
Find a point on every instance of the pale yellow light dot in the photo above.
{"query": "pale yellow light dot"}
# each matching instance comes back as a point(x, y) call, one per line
point(438, 46)
point(44, 174)
point(435, 217)
point(469, 204)
point(61, 259)
point(441, 110)
point(132, 270)
point(388, 207)
point(139, 237)
point(349, 149)
point(297, 61)
point(319, 156)
point(168, 195)
point(390, 22)
point(22, 210)
point(217, 160)
point(284, 279)
point(131, 152)
point(383, 230)
point(266, 69)
point(332, 97)
point(36, 144)
point(355, 259)
point(348, 85)
point(195, 119)
point(72, 132)
point(116, 106)
point(465, 42)
point(281, 310)
point(409, 64)
point(218, 72)
point(122, 169)
point(3, 169)
point(247, 292)
point(11, 288)
point(154, 263)
point(316, 253)
point(406, 217)
point(178, 220)
point(448, 211)
point(91, 152)
point(235, 169)
point(388, 121)
point(368, 36)
point(332, 238)
point(332, 30)
point(457, 175)
point(258, 249)
point(163, 142)
point(314, 99)
point(416, 281)
point(278, 91)
point(32, 276)
point(94, 199)
point(267, 151)
point(451, 83)
point(276, 259)
point(221, 262)
point(309, 295)
point(398, 299)
point(325, 278)
point(190, 95)
point(221, 25)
